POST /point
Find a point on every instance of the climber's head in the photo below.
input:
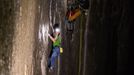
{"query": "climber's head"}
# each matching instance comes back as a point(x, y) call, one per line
point(56, 29)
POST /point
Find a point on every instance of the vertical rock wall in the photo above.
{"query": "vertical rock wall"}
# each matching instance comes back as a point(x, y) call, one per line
point(96, 47)
point(109, 27)
point(23, 41)
point(7, 15)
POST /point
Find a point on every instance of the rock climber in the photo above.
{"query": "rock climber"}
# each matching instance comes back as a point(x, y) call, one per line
point(56, 46)
point(73, 12)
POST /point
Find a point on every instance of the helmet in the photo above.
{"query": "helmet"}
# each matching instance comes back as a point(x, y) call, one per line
point(57, 30)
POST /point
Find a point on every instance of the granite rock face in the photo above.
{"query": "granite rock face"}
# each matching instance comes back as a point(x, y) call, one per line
point(99, 44)
point(6, 35)
point(109, 26)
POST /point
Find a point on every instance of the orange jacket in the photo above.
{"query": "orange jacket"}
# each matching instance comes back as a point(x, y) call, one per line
point(72, 15)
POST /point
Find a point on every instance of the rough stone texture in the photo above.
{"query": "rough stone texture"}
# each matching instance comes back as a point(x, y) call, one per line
point(16, 37)
point(7, 22)
point(99, 45)
point(23, 41)
point(109, 26)
point(107, 43)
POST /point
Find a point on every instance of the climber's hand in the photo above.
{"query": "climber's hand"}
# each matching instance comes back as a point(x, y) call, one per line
point(48, 34)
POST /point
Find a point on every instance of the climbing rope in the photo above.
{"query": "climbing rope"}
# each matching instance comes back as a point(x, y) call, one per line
point(80, 48)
